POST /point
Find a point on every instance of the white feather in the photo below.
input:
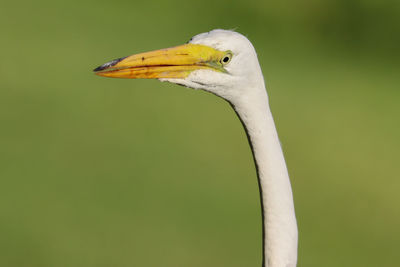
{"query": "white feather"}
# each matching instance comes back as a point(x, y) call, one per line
point(243, 86)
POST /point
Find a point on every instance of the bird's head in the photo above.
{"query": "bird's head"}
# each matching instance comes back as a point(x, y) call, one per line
point(221, 62)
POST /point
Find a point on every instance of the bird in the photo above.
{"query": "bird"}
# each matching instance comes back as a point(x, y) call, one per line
point(225, 63)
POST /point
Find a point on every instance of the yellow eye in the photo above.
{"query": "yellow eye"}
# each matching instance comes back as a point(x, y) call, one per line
point(226, 58)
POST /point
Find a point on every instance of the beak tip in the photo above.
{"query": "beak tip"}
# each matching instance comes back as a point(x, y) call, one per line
point(99, 68)
point(108, 64)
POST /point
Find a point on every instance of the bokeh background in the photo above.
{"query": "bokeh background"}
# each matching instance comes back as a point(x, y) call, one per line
point(108, 172)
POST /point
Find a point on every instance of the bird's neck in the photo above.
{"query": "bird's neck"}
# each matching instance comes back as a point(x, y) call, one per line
point(279, 221)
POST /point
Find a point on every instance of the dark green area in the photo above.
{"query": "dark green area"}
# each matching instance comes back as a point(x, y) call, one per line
point(108, 172)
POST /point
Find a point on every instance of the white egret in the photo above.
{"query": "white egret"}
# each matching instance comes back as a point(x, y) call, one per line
point(225, 63)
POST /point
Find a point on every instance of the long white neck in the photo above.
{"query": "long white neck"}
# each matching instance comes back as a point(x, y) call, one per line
point(279, 221)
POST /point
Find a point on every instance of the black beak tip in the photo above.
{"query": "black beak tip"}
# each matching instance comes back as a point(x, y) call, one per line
point(99, 68)
point(108, 64)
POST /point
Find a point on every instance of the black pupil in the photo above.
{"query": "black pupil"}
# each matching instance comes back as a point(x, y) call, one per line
point(225, 59)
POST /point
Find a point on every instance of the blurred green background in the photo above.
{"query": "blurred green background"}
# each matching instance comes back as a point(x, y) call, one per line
point(108, 172)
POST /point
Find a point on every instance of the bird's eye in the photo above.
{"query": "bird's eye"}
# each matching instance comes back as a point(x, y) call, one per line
point(226, 59)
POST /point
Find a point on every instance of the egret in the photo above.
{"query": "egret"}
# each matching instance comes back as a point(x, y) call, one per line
point(225, 63)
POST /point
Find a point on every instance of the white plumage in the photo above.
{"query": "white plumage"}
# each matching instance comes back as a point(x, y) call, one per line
point(231, 70)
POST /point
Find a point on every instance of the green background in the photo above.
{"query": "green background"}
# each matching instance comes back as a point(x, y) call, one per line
point(109, 172)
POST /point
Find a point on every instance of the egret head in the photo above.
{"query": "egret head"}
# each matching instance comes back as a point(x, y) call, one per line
point(221, 62)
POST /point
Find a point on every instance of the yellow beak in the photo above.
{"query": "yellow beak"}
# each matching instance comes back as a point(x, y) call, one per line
point(175, 62)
